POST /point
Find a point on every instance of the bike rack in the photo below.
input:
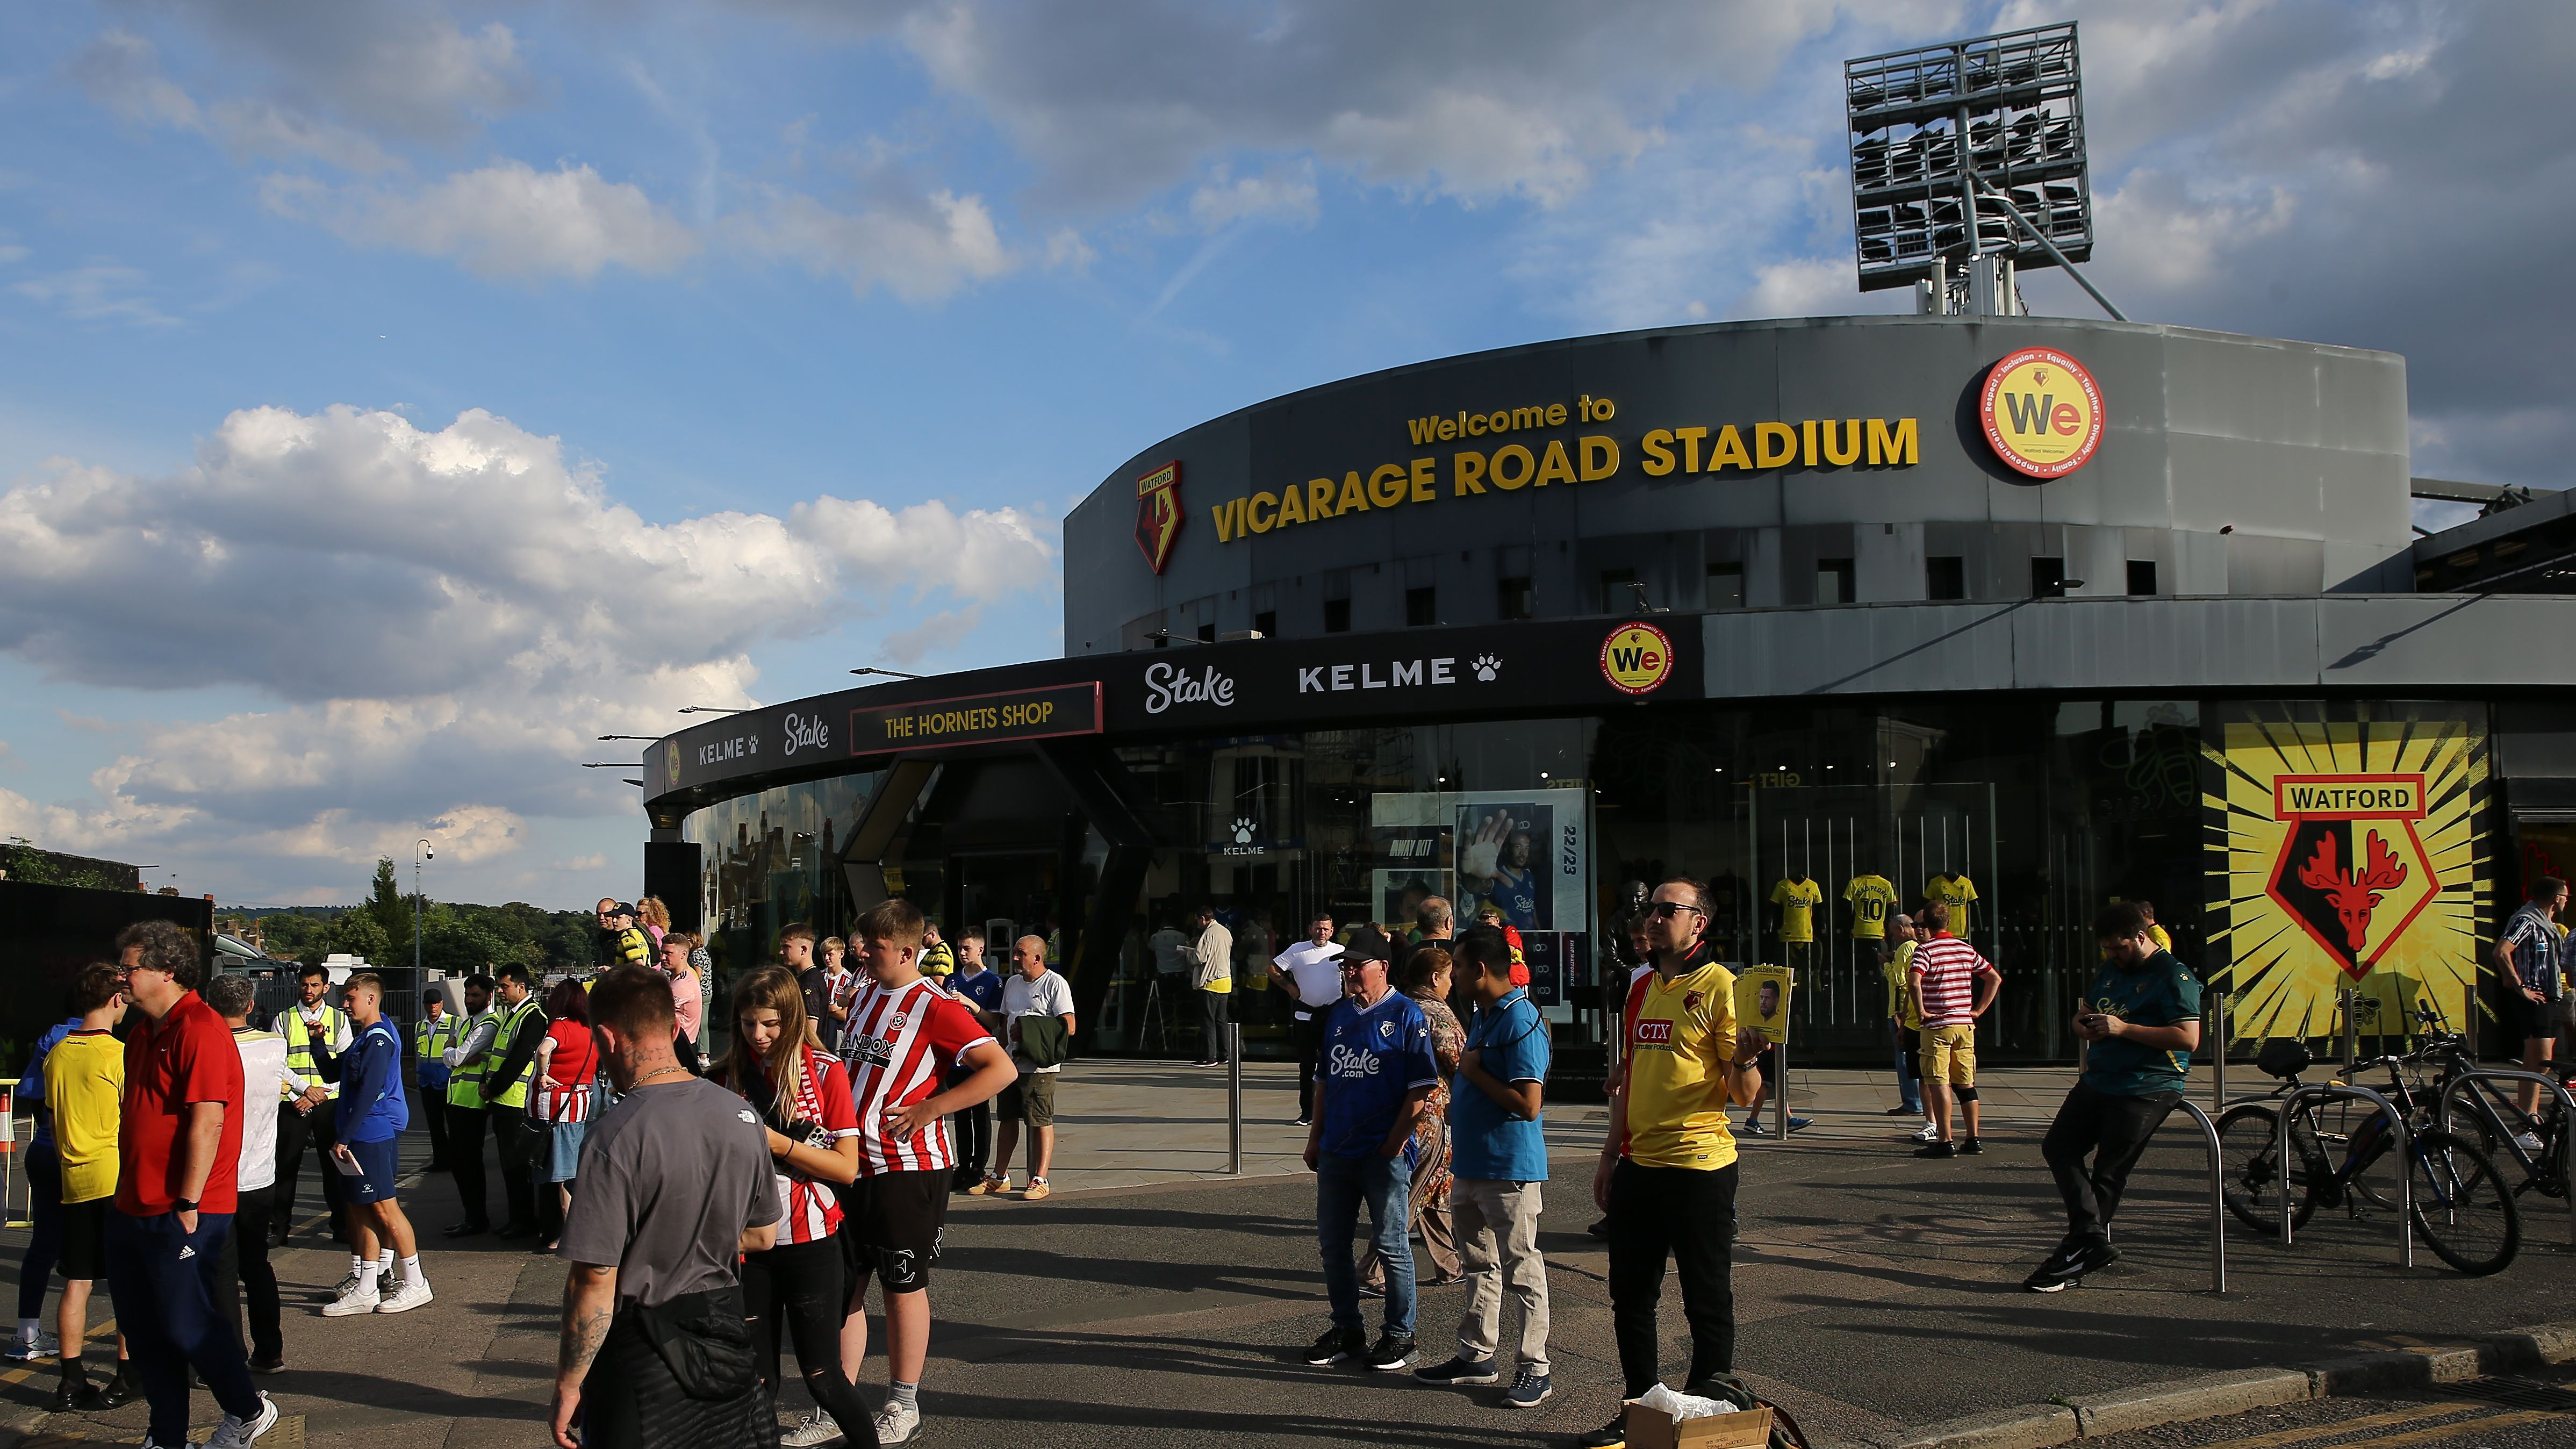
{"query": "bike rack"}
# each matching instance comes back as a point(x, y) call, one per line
point(2217, 1198)
point(2405, 1158)
point(2566, 1138)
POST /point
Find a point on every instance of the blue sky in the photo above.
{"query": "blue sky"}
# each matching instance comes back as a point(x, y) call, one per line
point(394, 396)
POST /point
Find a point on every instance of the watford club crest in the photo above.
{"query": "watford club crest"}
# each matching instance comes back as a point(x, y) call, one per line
point(2354, 860)
point(1158, 513)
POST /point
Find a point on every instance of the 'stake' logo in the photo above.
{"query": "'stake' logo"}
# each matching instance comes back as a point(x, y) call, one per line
point(2042, 413)
point(1158, 513)
point(1636, 658)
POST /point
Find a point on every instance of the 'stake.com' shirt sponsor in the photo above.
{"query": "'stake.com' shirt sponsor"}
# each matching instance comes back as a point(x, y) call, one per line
point(1373, 1058)
point(1681, 1034)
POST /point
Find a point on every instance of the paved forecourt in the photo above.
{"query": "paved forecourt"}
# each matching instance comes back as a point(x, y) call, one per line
point(1154, 1302)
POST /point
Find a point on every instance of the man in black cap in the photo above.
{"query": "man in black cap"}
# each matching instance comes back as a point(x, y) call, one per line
point(629, 946)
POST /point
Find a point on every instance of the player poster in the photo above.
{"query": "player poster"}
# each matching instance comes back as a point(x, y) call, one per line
point(1762, 1001)
point(2349, 848)
point(1524, 851)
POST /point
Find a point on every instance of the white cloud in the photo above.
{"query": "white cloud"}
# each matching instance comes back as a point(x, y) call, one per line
point(121, 70)
point(1283, 194)
point(405, 71)
point(449, 618)
point(922, 249)
point(101, 293)
point(505, 220)
point(943, 630)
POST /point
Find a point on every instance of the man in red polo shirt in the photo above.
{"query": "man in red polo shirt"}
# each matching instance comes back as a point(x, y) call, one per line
point(180, 1143)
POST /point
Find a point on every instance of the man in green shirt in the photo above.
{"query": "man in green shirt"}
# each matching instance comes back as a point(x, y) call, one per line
point(2142, 1021)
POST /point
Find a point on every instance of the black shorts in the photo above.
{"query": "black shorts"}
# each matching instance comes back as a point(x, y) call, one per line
point(84, 1252)
point(2539, 1018)
point(890, 1227)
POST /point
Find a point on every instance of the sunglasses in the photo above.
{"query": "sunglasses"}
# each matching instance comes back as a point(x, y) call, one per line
point(1360, 965)
point(1666, 910)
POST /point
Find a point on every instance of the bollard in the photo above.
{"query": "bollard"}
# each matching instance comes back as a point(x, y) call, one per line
point(1233, 1099)
point(2218, 1052)
point(2351, 1037)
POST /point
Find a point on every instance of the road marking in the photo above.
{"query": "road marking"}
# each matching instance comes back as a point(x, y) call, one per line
point(2347, 1426)
point(2449, 1431)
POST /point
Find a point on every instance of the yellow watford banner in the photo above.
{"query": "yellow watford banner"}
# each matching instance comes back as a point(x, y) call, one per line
point(2348, 848)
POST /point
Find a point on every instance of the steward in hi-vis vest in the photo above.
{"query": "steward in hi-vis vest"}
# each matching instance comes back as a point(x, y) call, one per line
point(308, 1107)
point(467, 1119)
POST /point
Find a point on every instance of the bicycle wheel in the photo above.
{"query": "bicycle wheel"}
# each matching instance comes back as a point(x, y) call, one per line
point(2253, 1177)
point(2462, 1207)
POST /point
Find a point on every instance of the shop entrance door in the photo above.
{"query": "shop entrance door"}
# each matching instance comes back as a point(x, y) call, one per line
point(1007, 896)
point(1916, 838)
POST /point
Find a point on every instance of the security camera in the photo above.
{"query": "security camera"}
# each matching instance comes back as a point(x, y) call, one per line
point(429, 855)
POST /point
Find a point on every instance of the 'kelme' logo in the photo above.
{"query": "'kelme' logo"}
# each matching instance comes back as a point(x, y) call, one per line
point(1158, 513)
point(2042, 413)
point(1636, 658)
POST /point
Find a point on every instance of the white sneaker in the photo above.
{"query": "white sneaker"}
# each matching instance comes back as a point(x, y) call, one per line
point(897, 1423)
point(347, 1285)
point(235, 1433)
point(406, 1298)
point(817, 1427)
point(1929, 1133)
point(353, 1302)
point(44, 1346)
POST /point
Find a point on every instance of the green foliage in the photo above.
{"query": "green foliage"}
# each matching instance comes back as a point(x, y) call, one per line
point(291, 934)
point(356, 934)
point(455, 937)
point(386, 904)
point(23, 860)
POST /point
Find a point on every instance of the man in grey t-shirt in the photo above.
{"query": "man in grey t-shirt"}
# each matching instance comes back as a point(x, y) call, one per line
point(675, 1184)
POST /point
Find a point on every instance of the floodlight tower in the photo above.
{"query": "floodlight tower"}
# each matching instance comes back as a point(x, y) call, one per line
point(1967, 163)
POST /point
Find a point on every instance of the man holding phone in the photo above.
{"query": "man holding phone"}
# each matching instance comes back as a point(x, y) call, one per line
point(373, 1114)
point(2142, 1020)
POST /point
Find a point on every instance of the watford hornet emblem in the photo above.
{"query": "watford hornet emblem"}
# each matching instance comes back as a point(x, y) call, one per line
point(1158, 513)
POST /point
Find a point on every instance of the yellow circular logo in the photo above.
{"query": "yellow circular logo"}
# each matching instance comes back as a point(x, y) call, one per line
point(1636, 658)
point(2042, 413)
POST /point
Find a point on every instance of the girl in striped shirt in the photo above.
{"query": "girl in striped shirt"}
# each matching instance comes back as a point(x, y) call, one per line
point(803, 1095)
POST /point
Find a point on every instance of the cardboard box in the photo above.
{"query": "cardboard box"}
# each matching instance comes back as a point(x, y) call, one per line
point(1655, 1429)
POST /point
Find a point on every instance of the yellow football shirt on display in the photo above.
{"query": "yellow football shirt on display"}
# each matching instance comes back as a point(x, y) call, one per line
point(1871, 897)
point(1797, 900)
point(1679, 1034)
point(1954, 891)
point(85, 1090)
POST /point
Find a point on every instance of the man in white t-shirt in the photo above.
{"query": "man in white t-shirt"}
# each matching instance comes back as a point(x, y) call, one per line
point(1311, 973)
point(1037, 1017)
point(244, 1261)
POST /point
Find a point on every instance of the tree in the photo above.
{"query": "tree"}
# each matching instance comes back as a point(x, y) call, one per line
point(354, 933)
point(392, 913)
point(456, 946)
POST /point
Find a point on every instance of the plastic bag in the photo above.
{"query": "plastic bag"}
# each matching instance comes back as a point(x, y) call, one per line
point(1684, 1406)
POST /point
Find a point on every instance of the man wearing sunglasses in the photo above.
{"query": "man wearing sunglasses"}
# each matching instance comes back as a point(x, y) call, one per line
point(1667, 1173)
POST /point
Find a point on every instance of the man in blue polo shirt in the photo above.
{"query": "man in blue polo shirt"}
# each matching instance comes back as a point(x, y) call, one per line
point(1377, 1070)
point(1499, 1152)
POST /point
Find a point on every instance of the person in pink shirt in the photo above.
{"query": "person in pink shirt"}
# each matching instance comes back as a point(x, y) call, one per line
point(686, 1003)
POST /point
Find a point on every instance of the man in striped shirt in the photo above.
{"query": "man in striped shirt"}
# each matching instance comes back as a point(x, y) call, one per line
point(903, 1035)
point(1953, 986)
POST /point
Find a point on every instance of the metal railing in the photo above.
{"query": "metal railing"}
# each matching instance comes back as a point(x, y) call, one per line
point(2217, 1197)
point(2405, 1157)
point(2567, 1129)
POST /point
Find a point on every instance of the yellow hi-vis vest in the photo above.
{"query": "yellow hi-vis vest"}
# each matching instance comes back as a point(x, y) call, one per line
point(465, 1082)
point(514, 1094)
point(299, 1044)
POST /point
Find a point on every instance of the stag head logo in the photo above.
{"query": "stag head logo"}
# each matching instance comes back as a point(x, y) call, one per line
point(2354, 895)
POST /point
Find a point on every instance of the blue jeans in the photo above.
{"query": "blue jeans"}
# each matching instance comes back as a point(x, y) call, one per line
point(1385, 1184)
point(164, 1282)
point(1909, 1084)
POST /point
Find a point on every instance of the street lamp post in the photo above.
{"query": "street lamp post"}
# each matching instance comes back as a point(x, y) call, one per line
point(419, 853)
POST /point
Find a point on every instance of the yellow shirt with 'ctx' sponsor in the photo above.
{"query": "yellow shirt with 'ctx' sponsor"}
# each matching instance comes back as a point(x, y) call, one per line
point(1681, 1036)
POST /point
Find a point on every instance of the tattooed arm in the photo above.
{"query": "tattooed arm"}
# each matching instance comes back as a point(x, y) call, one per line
point(590, 1300)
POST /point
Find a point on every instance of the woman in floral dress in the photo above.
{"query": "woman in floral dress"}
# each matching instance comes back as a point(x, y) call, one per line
point(1425, 978)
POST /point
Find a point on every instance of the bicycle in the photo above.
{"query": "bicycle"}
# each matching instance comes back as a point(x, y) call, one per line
point(2486, 1115)
point(2462, 1208)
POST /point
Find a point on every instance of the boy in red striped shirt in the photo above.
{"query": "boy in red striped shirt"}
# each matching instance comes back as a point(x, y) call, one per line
point(1953, 986)
point(902, 1037)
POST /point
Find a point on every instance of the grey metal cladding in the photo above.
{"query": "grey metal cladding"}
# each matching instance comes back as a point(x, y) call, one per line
point(2389, 643)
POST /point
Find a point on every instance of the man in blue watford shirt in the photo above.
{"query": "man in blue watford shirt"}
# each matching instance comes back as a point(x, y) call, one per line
point(2142, 1021)
point(1376, 1071)
point(1499, 1153)
point(373, 1114)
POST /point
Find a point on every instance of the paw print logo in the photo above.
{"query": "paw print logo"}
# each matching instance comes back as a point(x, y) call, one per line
point(1242, 830)
point(1486, 667)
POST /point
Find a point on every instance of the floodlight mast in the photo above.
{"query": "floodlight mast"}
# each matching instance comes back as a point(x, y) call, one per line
point(1968, 162)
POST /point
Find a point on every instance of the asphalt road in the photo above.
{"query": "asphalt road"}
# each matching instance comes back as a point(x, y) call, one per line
point(2535, 1412)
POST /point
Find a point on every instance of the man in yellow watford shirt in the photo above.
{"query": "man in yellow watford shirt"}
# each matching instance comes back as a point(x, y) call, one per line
point(1667, 1173)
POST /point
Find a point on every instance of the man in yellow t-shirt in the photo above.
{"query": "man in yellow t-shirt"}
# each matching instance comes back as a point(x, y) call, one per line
point(1905, 1023)
point(1797, 897)
point(85, 1093)
point(1667, 1171)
